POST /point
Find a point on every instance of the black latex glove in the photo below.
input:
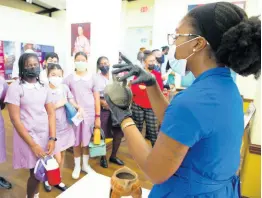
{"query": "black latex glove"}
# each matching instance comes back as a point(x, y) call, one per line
point(134, 70)
point(118, 114)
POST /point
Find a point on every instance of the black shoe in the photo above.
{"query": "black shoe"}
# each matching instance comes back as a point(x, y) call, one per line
point(117, 161)
point(5, 184)
point(61, 188)
point(47, 188)
point(103, 162)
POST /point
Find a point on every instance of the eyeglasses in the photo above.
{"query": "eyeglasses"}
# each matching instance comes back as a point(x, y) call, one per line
point(171, 38)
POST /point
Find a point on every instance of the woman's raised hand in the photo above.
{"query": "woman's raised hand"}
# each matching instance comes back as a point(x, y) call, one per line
point(134, 70)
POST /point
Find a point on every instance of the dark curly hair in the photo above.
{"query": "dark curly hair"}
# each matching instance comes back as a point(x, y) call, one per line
point(234, 38)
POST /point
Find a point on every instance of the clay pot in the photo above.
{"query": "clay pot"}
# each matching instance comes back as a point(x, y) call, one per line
point(124, 182)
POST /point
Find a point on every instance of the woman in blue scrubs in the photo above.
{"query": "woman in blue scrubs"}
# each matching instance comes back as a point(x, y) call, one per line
point(197, 152)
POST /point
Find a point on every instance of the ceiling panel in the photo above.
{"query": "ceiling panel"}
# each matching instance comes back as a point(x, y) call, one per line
point(59, 4)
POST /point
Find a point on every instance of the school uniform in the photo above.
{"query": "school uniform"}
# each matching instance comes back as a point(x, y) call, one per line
point(3, 90)
point(208, 118)
point(31, 98)
point(64, 131)
point(83, 88)
point(106, 120)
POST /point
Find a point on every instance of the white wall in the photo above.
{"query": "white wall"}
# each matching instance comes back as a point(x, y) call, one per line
point(132, 17)
point(21, 26)
point(61, 47)
point(136, 18)
point(104, 17)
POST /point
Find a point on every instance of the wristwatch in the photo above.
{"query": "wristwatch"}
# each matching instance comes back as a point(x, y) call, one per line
point(53, 138)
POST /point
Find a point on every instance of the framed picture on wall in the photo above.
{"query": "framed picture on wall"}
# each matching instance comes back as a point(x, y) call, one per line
point(40, 50)
point(2, 63)
point(80, 38)
point(10, 58)
point(7, 58)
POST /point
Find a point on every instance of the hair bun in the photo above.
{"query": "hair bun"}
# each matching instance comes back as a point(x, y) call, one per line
point(240, 48)
point(147, 52)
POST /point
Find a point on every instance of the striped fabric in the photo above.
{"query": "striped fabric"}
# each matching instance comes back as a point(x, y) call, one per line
point(140, 115)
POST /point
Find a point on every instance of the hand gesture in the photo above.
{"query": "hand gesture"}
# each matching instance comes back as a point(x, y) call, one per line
point(38, 151)
point(118, 114)
point(134, 70)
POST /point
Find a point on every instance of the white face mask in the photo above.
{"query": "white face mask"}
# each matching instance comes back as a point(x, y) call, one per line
point(55, 80)
point(81, 66)
point(179, 66)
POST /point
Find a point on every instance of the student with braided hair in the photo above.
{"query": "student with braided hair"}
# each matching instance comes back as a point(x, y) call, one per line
point(33, 117)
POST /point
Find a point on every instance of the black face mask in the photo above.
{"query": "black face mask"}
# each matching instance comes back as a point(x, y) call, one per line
point(31, 72)
point(104, 69)
point(160, 60)
point(151, 67)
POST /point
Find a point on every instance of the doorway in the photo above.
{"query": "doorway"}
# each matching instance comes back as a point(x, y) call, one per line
point(135, 38)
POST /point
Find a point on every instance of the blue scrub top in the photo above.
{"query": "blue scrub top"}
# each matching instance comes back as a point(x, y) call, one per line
point(207, 117)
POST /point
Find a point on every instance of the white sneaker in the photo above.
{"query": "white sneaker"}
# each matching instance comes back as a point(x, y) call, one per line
point(76, 172)
point(88, 169)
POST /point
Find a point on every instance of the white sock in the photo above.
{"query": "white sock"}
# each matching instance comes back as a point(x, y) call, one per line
point(85, 161)
point(86, 167)
point(62, 185)
point(36, 195)
point(77, 168)
point(46, 183)
point(77, 161)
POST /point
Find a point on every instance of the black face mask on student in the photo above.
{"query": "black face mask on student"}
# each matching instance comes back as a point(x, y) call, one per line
point(104, 69)
point(31, 72)
point(151, 67)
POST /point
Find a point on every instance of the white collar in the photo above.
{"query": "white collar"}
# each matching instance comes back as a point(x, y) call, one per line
point(57, 90)
point(32, 85)
point(85, 78)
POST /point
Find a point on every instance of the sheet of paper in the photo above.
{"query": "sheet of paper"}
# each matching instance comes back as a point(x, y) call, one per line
point(77, 119)
point(93, 185)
